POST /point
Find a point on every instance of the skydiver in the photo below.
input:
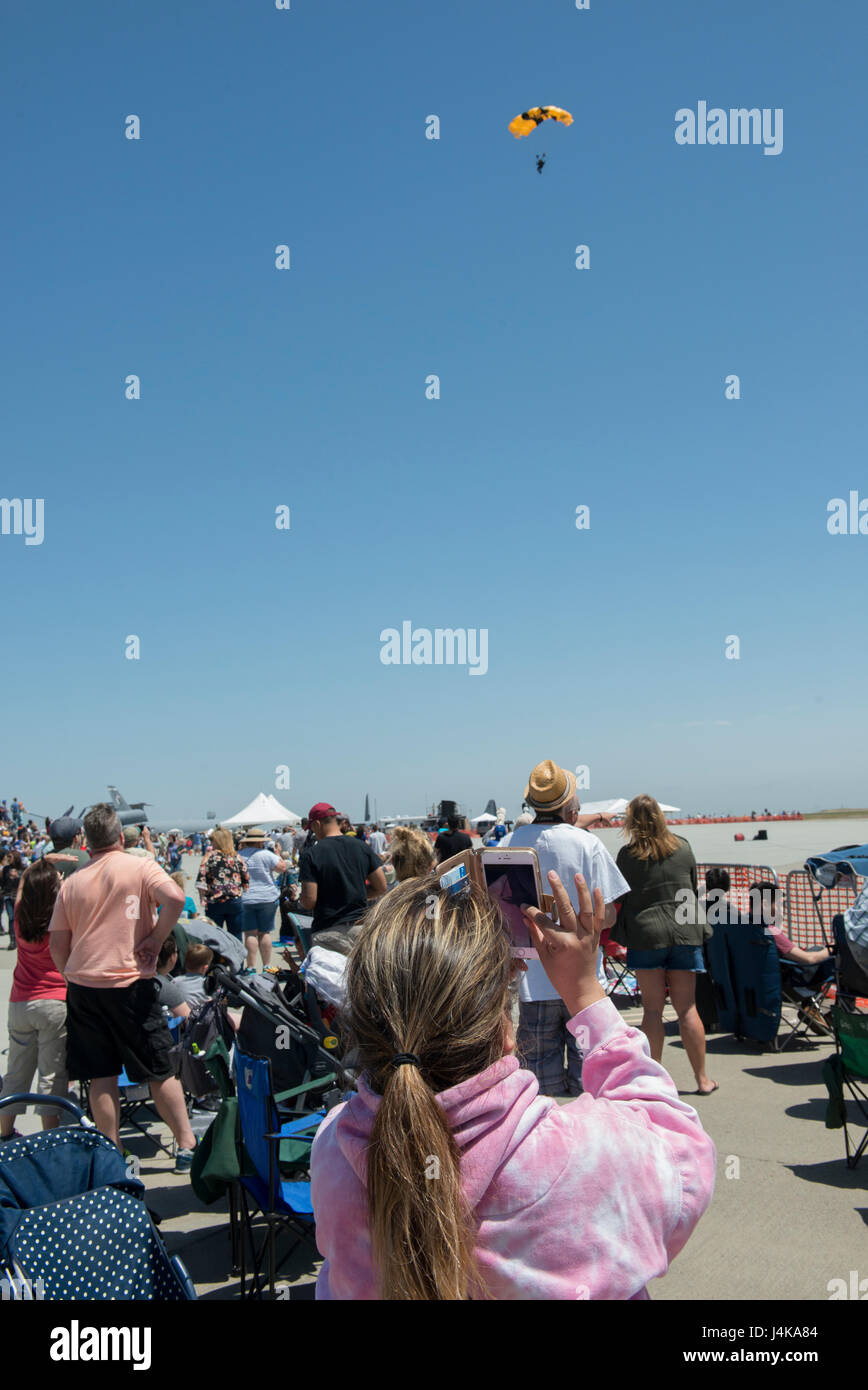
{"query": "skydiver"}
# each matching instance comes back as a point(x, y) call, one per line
point(540, 162)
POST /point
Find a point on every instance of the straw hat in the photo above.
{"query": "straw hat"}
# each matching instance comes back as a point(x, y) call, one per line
point(550, 787)
point(255, 836)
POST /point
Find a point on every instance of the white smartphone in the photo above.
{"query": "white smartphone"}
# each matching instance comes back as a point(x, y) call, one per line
point(512, 878)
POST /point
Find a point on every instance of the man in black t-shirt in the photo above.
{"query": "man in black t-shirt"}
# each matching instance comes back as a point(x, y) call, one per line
point(454, 841)
point(333, 872)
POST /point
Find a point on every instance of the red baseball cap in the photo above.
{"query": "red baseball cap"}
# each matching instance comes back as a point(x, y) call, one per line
point(321, 811)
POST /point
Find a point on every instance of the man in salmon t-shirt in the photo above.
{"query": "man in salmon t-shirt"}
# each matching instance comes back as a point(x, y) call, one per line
point(105, 938)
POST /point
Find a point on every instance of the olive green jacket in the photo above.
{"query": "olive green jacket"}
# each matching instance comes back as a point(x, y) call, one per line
point(652, 916)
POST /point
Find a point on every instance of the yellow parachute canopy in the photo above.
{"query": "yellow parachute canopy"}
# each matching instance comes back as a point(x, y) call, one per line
point(529, 120)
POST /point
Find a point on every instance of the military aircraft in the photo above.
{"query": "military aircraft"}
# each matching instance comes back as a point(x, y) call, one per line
point(135, 814)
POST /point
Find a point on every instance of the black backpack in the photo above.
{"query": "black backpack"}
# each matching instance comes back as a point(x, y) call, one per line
point(203, 1026)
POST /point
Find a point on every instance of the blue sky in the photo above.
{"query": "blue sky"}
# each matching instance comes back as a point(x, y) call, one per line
point(306, 387)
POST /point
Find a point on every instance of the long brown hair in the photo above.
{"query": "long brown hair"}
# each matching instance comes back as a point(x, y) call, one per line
point(429, 975)
point(40, 885)
point(649, 837)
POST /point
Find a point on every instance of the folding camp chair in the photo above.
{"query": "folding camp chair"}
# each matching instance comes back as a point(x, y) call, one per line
point(620, 979)
point(216, 1168)
point(275, 1146)
point(810, 1003)
point(842, 874)
point(849, 1066)
point(810, 1000)
point(135, 1100)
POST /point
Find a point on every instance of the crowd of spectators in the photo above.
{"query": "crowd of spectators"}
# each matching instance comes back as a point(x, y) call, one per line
point(462, 1050)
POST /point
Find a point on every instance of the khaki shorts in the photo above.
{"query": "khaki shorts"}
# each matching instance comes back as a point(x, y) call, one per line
point(37, 1042)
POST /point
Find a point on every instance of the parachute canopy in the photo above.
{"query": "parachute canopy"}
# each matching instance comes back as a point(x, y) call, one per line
point(529, 120)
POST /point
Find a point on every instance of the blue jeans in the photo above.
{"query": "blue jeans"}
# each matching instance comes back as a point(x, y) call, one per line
point(259, 918)
point(229, 914)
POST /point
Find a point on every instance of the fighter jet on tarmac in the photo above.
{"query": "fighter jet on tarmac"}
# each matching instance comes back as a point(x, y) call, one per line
point(135, 814)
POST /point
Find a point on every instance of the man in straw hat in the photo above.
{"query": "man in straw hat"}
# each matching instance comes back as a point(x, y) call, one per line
point(559, 835)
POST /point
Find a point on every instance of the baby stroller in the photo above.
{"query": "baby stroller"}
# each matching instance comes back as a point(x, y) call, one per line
point(73, 1224)
point(848, 1068)
point(228, 950)
point(208, 1020)
point(287, 1076)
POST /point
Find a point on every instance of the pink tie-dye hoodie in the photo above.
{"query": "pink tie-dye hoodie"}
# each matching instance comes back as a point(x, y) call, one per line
point(585, 1200)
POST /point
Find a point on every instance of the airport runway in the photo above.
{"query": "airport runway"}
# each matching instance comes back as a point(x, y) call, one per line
point(788, 845)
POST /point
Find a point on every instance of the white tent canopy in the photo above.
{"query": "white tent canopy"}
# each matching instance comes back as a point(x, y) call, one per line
point(615, 807)
point(264, 810)
point(619, 806)
point(486, 816)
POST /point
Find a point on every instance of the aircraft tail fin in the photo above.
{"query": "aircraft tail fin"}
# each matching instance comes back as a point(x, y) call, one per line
point(118, 800)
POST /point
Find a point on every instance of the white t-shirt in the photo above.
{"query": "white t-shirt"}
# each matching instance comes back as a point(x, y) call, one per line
point(377, 842)
point(260, 863)
point(569, 851)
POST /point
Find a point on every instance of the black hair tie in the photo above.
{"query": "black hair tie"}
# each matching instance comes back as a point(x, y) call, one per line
point(401, 1058)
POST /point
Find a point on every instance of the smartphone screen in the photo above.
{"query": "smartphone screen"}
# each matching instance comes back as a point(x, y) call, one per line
point(510, 885)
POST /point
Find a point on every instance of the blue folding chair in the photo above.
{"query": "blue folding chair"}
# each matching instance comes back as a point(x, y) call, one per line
point(270, 1140)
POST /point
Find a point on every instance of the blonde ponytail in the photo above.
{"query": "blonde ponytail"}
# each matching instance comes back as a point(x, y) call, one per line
point(428, 976)
point(422, 1234)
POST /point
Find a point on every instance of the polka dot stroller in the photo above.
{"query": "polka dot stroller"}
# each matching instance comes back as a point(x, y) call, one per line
point(73, 1223)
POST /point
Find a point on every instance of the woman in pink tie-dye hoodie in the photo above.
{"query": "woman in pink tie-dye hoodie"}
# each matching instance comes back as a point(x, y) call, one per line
point(447, 1176)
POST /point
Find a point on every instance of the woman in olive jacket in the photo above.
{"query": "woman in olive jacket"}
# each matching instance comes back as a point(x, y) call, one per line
point(663, 929)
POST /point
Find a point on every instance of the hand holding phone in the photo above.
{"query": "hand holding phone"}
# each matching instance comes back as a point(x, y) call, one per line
point(568, 951)
point(512, 880)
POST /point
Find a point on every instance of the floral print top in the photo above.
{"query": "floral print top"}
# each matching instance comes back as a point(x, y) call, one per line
point(222, 877)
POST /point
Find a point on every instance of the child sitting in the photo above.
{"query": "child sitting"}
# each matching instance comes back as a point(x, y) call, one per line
point(170, 993)
point(197, 963)
point(808, 961)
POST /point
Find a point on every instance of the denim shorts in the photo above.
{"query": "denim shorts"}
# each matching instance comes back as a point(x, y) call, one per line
point(259, 918)
point(669, 958)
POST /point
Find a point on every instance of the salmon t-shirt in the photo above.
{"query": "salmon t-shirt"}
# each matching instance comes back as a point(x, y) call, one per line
point(109, 908)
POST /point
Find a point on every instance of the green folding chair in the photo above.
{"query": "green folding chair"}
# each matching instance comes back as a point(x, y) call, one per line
point(848, 1071)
